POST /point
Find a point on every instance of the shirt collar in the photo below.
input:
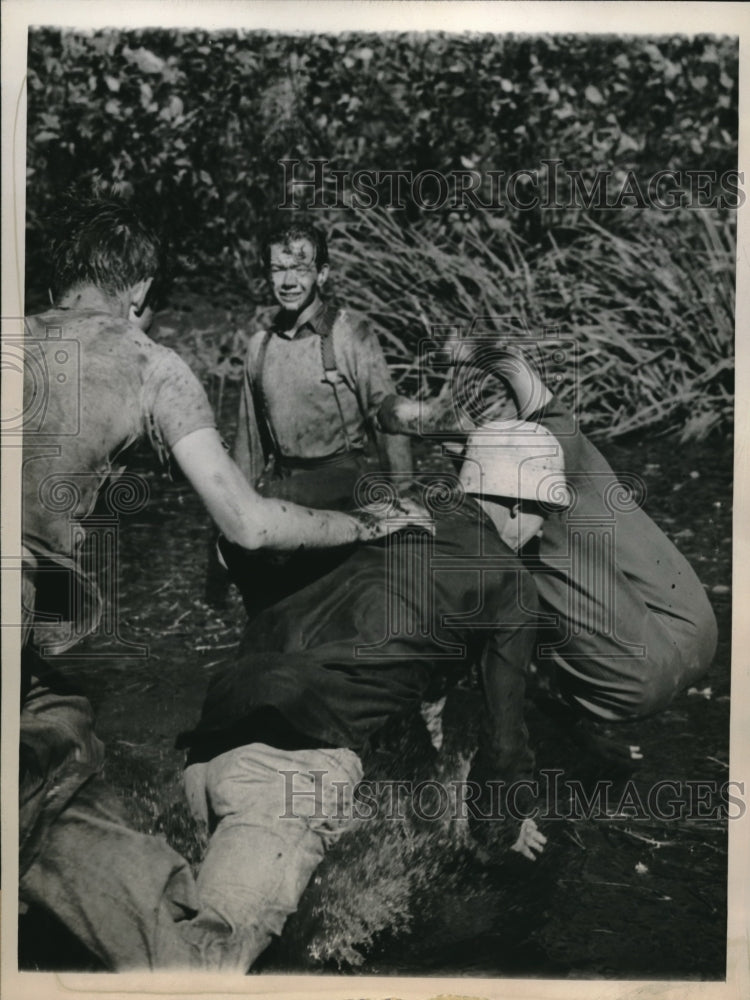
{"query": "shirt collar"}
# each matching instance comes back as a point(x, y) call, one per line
point(317, 318)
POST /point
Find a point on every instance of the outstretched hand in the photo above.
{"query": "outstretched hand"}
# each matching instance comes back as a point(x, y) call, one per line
point(506, 362)
point(402, 512)
point(530, 839)
point(462, 403)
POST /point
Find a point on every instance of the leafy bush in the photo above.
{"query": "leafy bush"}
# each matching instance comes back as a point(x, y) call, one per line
point(195, 124)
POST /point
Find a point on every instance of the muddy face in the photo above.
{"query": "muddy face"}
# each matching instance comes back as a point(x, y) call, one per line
point(295, 277)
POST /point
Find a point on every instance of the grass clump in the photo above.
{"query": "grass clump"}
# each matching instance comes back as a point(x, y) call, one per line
point(153, 798)
point(384, 881)
point(644, 303)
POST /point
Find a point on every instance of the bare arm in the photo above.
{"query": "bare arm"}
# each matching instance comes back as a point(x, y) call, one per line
point(401, 415)
point(395, 453)
point(255, 522)
point(444, 412)
point(530, 393)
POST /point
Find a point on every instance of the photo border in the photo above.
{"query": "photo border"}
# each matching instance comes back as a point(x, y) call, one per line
point(336, 16)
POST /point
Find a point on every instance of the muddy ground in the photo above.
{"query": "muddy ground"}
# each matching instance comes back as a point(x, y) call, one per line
point(626, 896)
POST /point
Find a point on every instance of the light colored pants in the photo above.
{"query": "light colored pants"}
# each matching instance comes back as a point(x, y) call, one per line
point(276, 813)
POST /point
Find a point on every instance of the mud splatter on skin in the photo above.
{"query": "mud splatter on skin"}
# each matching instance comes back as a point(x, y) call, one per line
point(371, 526)
point(399, 415)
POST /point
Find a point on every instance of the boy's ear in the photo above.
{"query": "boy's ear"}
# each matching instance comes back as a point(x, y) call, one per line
point(322, 276)
point(139, 292)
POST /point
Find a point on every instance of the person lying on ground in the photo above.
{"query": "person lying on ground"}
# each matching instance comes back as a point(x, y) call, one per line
point(118, 891)
point(321, 672)
point(631, 622)
point(314, 379)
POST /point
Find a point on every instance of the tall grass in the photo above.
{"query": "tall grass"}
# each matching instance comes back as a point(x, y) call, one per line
point(649, 303)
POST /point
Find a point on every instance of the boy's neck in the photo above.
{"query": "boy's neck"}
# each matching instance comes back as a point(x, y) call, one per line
point(91, 298)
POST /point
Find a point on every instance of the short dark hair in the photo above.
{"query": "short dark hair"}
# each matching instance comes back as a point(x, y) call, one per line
point(102, 241)
point(288, 232)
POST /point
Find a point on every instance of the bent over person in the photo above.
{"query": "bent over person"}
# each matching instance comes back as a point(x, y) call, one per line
point(631, 622)
point(120, 892)
point(274, 760)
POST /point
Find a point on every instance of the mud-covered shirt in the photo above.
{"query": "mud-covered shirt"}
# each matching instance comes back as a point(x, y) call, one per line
point(610, 575)
point(93, 384)
point(310, 417)
point(361, 645)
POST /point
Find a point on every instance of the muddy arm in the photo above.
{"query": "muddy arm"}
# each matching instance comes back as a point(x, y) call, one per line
point(444, 414)
point(254, 522)
point(504, 759)
point(401, 415)
point(395, 455)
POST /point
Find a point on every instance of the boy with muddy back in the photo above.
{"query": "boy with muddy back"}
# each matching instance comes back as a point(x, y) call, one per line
point(120, 892)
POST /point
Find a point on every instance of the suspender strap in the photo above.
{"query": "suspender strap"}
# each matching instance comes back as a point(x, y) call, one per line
point(267, 436)
point(327, 353)
point(331, 376)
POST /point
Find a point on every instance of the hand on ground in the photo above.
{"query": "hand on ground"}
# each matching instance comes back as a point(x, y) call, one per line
point(530, 839)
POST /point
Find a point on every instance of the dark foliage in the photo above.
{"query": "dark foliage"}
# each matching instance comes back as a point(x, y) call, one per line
point(195, 123)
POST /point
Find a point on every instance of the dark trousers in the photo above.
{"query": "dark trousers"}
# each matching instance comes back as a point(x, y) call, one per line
point(264, 578)
point(325, 484)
